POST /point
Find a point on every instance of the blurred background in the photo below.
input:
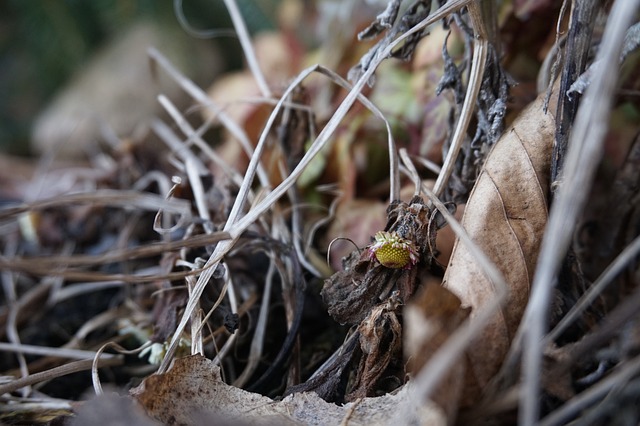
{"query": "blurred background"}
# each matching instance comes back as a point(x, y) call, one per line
point(51, 51)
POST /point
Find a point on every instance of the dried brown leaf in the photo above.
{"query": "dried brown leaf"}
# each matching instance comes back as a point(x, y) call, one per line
point(193, 386)
point(506, 215)
point(192, 392)
point(381, 345)
point(432, 316)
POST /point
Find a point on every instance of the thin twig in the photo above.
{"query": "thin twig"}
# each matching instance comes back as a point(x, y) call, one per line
point(610, 326)
point(412, 171)
point(199, 95)
point(63, 370)
point(107, 197)
point(11, 297)
point(197, 322)
point(101, 320)
point(193, 32)
point(180, 148)
point(50, 352)
point(117, 255)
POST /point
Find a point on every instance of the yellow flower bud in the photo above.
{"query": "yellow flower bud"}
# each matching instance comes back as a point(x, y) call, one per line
point(393, 251)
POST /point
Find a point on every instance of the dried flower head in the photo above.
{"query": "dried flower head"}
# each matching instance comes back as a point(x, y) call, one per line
point(393, 251)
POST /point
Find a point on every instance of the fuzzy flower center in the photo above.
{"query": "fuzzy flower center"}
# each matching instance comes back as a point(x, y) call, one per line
point(393, 251)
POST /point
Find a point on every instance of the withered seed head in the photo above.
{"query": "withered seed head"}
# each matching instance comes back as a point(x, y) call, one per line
point(393, 251)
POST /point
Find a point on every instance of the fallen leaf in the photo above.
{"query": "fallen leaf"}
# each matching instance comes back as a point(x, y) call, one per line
point(232, 91)
point(505, 215)
point(431, 317)
point(192, 392)
point(193, 386)
point(381, 344)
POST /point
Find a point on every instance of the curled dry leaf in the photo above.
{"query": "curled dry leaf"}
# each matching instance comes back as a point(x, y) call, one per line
point(192, 392)
point(506, 214)
point(381, 345)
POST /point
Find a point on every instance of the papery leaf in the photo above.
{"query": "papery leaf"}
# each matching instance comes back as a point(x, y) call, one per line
point(505, 215)
point(429, 320)
point(193, 393)
point(381, 344)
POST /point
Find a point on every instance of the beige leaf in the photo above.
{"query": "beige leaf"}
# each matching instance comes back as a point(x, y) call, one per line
point(506, 214)
point(429, 320)
point(192, 392)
